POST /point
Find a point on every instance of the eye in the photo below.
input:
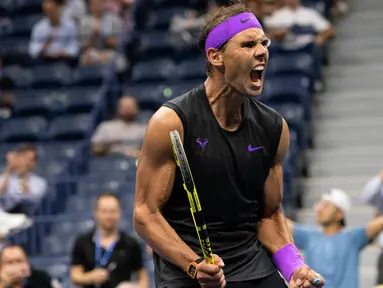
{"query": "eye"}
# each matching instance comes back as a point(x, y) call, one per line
point(249, 44)
point(266, 42)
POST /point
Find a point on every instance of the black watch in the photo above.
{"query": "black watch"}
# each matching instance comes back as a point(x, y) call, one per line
point(192, 268)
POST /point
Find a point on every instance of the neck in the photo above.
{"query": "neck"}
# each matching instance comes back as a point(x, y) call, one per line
point(293, 7)
point(225, 103)
point(55, 21)
point(107, 233)
point(332, 229)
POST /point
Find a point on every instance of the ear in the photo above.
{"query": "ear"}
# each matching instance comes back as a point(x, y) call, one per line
point(339, 215)
point(215, 57)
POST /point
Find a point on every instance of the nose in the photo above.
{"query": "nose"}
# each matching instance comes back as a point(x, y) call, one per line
point(260, 52)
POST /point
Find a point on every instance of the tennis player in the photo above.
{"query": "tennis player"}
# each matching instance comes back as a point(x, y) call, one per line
point(235, 146)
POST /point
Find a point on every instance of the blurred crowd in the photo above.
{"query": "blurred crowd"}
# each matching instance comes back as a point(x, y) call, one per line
point(95, 33)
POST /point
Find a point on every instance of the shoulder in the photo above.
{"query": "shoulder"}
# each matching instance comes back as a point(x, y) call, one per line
point(41, 24)
point(68, 23)
point(39, 180)
point(108, 124)
point(308, 11)
point(264, 114)
point(84, 238)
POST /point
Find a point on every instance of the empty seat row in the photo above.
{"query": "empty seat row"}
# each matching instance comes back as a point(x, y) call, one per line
point(68, 127)
point(56, 75)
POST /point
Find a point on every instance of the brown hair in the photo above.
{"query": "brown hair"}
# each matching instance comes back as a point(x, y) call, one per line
point(106, 195)
point(213, 19)
point(27, 148)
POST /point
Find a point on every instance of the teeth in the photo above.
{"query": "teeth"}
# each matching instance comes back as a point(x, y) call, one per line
point(259, 68)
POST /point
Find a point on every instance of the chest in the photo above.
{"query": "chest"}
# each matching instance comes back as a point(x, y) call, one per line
point(299, 17)
point(219, 156)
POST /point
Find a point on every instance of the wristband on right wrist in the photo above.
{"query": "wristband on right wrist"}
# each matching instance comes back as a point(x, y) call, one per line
point(287, 260)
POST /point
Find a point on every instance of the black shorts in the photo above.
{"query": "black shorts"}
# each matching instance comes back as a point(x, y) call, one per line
point(271, 281)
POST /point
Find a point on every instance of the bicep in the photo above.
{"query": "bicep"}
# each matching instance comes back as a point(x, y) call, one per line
point(156, 166)
point(274, 183)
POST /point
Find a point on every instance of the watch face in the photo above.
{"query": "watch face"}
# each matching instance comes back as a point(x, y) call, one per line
point(192, 271)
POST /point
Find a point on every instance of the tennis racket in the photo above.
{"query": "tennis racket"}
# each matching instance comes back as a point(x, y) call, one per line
point(195, 205)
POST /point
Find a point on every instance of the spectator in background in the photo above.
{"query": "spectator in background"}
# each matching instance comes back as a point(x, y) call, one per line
point(122, 135)
point(101, 33)
point(270, 6)
point(20, 190)
point(73, 9)
point(54, 38)
point(334, 251)
point(16, 272)
point(281, 23)
point(6, 96)
point(186, 26)
point(106, 257)
point(373, 195)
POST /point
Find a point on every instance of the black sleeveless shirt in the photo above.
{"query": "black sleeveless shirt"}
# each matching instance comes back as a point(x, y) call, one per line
point(229, 170)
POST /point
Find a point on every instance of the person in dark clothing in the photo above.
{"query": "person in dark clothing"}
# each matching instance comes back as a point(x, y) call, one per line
point(15, 271)
point(106, 257)
point(236, 146)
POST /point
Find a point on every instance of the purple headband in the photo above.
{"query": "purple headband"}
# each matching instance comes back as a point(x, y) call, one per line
point(229, 28)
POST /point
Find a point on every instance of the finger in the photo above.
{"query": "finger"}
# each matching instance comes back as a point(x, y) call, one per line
point(208, 268)
point(302, 275)
point(311, 275)
point(218, 261)
point(307, 284)
point(207, 278)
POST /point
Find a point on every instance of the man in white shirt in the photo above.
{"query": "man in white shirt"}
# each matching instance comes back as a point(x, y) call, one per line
point(121, 136)
point(20, 190)
point(280, 23)
point(54, 38)
point(373, 194)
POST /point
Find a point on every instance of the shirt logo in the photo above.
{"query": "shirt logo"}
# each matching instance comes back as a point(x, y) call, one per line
point(251, 149)
point(202, 143)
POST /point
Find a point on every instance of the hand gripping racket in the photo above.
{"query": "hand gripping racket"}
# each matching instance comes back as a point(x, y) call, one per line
point(195, 205)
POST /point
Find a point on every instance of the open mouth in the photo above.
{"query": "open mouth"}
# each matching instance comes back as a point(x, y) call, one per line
point(256, 74)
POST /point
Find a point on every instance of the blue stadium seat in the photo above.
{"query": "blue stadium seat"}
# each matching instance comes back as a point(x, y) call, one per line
point(58, 246)
point(155, 44)
point(55, 75)
point(289, 90)
point(71, 127)
point(148, 96)
point(24, 129)
point(22, 26)
point(21, 78)
point(294, 116)
point(193, 68)
point(71, 151)
point(161, 18)
point(72, 225)
point(117, 164)
point(90, 75)
point(32, 104)
point(91, 186)
point(80, 205)
point(157, 70)
point(52, 168)
point(80, 100)
point(301, 64)
point(14, 46)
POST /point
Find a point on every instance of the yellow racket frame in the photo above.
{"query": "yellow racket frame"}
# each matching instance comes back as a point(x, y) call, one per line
point(189, 186)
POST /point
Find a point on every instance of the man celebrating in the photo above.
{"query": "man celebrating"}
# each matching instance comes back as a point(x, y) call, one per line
point(334, 250)
point(235, 146)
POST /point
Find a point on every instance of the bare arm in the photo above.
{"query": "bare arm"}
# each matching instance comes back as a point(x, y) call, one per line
point(5, 180)
point(273, 231)
point(143, 278)
point(325, 35)
point(79, 277)
point(374, 227)
point(155, 178)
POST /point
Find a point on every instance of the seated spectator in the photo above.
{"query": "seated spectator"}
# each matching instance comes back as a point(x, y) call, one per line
point(106, 257)
point(54, 38)
point(101, 33)
point(20, 190)
point(16, 272)
point(121, 135)
point(123, 9)
point(186, 26)
point(73, 9)
point(280, 24)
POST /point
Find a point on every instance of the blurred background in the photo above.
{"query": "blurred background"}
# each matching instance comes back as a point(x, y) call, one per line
point(79, 80)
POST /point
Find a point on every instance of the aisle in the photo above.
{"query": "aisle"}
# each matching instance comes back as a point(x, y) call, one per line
point(349, 121)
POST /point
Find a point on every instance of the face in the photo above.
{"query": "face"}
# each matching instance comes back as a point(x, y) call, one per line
point(108, 213)
point(14, 262)
point(50, 8)
point(244, 61)
point(127, 108)
point(327, 213)
point(95, 6)
point(292, 3)
point(26, 161)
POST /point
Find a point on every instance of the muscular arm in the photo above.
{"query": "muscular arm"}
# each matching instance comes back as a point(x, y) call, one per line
point(155, 177)
point(273, 231)
point(374, 227)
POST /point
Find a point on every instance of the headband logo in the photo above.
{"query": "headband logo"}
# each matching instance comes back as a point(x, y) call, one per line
point(243, 21)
